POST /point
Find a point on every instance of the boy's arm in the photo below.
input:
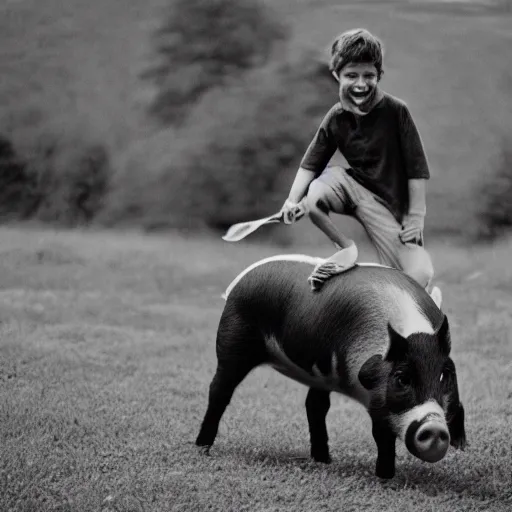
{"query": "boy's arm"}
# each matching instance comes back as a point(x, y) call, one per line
point(291, 209)
point(417, 196)
point(314, 161)
point(414, 221)
point(415, 159)
point(300, 184)
point(417, 172)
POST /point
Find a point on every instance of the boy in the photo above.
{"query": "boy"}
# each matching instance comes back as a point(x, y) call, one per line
point(384, 188)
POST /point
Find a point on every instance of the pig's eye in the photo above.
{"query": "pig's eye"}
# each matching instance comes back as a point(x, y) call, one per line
point(402, 380)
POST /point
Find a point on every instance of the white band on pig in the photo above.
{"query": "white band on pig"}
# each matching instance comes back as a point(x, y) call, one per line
point(428, 410)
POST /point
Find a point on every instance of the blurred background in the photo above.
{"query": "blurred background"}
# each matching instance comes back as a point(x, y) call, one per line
point(194, 114)
point(132, 134)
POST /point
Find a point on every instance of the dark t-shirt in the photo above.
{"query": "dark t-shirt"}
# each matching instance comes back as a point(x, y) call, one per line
point(383, 148)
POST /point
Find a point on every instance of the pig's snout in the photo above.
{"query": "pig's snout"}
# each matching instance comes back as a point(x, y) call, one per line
point(428, 440)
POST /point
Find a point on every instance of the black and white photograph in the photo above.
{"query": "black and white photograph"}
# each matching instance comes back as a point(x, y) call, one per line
point(255, 255)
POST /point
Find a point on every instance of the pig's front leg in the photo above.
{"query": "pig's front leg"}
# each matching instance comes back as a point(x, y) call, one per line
point(385, 439)
point(317, 407)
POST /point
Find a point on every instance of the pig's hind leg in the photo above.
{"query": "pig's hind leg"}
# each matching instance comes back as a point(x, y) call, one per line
point(240, 348)
point(317, 406)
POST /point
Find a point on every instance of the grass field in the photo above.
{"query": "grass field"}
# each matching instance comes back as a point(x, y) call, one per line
point(107, 351)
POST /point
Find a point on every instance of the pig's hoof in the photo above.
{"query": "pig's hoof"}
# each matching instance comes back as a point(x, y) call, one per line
point(204, 450)
point(323, 457)
point(385, 472)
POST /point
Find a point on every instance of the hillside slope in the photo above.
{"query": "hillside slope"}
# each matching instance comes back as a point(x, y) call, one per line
point(71, 70)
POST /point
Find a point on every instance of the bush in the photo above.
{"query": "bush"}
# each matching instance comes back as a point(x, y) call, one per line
point(236, 156)
point(494, 197)
point(254, 137)
point(17, 197)
point(56, 181)
point(203, 42)
point(69, 183)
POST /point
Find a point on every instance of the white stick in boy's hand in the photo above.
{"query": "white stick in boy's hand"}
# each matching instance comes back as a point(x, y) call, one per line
point(239, 231)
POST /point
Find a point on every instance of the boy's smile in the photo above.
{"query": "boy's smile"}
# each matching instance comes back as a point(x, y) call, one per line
point(358, 85)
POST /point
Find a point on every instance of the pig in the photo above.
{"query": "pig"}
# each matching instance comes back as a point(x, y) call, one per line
point(371, 333)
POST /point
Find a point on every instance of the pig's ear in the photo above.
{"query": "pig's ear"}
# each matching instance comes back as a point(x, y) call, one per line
point(456, 428)
point(397, 347)
point(371, 371)
point(443, 336)
point(455, 411)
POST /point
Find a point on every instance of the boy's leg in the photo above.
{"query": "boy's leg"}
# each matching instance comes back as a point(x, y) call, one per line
point(384, 232)
point(335, 191)
point(328, 193)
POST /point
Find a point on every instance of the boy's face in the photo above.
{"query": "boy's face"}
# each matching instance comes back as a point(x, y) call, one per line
point(358, 84)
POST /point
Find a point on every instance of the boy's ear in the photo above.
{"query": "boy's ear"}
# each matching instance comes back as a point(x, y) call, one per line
point(335, 75)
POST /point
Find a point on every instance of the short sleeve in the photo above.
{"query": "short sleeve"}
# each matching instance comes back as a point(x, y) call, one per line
point(415, 160)
point(322, 147)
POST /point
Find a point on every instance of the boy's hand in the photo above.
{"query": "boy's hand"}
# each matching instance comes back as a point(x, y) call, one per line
point(292, 211)
point(412, 228)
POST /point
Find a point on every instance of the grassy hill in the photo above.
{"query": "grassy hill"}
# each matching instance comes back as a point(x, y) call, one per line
point(106, 353)
point(71, 77)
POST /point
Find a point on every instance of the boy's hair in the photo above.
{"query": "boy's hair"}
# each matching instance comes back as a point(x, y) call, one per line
point(357, 46)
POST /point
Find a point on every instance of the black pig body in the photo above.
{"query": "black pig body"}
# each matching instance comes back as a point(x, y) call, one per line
point(371, 333)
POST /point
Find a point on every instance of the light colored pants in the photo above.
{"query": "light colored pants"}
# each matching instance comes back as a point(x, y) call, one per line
point(335, 190)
